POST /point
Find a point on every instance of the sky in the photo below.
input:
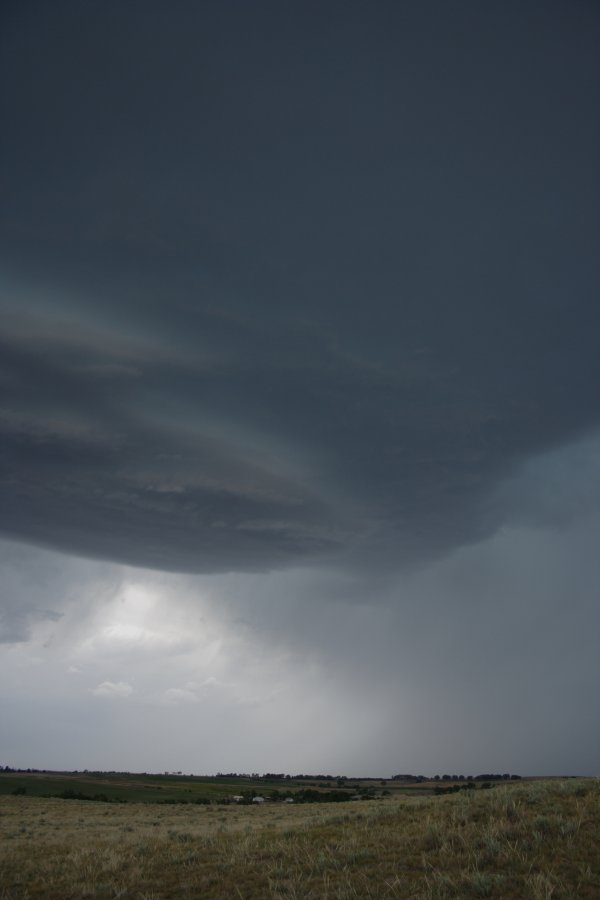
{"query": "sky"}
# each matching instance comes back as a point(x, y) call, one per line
point(300, 386)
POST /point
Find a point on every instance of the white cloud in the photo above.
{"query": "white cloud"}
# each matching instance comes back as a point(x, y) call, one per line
point(113, 689)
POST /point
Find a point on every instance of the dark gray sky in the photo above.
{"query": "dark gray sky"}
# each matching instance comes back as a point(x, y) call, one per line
point(300, 384)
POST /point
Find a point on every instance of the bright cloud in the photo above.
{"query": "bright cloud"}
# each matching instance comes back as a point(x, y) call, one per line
point(113, 689)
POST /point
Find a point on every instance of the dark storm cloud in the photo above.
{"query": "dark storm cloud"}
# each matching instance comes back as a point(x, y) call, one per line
point(292, 281)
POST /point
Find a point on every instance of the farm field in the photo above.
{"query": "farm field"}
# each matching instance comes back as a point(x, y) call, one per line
point(534, 839)
point(171, 788)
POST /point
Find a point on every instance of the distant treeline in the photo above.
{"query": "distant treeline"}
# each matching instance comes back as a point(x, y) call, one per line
point(420, 778)
point(283, 776)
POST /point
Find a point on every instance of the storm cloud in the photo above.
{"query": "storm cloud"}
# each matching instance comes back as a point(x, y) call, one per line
point(304, 292)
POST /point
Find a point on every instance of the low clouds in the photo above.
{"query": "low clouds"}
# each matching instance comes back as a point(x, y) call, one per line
point(488, 655)
point(120, 690)
point(33, 589)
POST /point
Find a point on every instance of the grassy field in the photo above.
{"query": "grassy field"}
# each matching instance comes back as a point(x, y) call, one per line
point(536, 839)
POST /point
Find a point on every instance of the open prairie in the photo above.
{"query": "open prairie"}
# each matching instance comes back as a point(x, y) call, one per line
point(535, 839)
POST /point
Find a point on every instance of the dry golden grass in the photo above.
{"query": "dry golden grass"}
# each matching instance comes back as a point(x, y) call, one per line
point(534, 840)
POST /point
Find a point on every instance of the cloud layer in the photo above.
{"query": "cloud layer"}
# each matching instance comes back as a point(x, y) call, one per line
point(259, 313)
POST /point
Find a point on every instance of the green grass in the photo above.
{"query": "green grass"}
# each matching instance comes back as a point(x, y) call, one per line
point(131, 788)
point(526, 840)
